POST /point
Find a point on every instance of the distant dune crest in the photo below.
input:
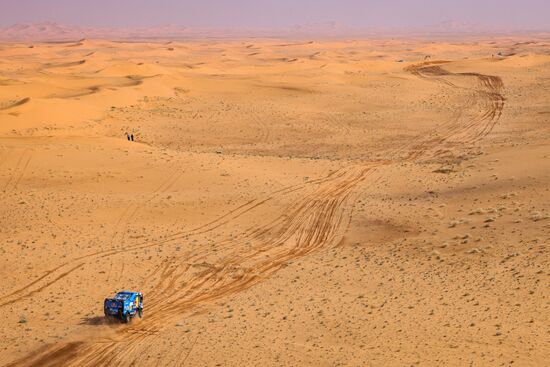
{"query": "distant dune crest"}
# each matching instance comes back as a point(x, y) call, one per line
point(51, 31)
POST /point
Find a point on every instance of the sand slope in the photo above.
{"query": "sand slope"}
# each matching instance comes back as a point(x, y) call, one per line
point(284, 203)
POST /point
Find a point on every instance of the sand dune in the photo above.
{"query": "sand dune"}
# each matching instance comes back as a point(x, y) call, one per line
point(63, 64)
point(284, 202)
point(8, 105)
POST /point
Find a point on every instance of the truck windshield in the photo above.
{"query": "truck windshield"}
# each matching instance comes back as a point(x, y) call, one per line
point(122, 296)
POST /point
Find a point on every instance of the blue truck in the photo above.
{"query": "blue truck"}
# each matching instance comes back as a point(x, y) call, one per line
point(124, 306)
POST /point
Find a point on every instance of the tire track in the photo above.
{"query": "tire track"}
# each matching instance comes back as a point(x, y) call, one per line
point(34, 286)
point(416, 152)
point(47, 284)
point(264, 130)
point(486, 92)
point(18, 172)
point(312, 224)
point(22, 173)
point(129, 214)
point(316, 221)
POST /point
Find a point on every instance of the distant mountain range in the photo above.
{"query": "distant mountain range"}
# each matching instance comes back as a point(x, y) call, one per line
point(50, 31)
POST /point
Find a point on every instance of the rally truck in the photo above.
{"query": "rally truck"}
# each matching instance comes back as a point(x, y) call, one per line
point(124, 306)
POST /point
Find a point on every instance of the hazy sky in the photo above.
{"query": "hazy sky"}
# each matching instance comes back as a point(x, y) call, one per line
point(526, 14)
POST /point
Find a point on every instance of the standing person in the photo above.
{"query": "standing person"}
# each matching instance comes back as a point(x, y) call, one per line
point(132, 136)
point(127, 136)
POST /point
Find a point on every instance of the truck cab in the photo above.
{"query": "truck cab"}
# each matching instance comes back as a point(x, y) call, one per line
point(124, 305)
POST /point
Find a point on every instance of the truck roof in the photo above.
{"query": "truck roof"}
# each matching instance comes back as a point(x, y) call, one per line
point(125, 294)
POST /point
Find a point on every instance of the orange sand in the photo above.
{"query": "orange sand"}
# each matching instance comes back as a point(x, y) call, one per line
point(284, 203)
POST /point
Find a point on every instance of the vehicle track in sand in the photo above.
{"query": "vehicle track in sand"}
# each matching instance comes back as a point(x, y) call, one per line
point(486, 93)
point(264, 130)
point(60, 271)
point(417, 151)
point(129, 213)
point(315, 221)
point(18, 172)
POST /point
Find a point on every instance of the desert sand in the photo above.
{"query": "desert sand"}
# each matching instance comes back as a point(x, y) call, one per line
point(284, 203)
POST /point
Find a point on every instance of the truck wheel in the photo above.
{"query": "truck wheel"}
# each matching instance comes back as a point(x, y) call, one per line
point(127, 318)
point(140, 313)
